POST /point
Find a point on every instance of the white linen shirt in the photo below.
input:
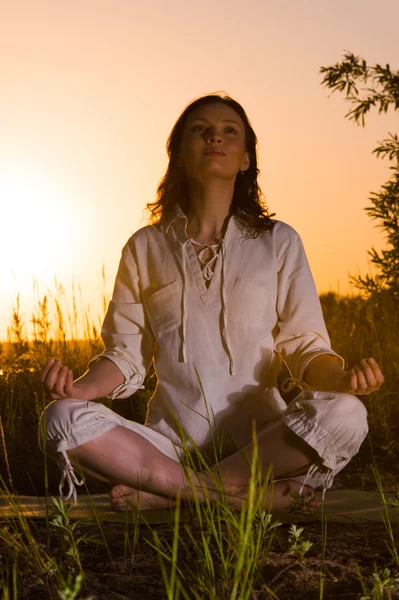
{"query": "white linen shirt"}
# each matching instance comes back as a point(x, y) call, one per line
point(261, 303)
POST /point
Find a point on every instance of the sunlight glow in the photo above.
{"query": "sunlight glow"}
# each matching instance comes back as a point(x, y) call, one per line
point(36, 230)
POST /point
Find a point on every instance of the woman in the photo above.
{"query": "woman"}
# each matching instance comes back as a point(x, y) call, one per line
point(215, 291)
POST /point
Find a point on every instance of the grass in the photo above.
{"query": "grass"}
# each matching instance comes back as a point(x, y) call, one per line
point(219, 553)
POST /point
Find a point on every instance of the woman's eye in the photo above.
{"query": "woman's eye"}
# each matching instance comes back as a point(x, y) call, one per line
point(230, 128)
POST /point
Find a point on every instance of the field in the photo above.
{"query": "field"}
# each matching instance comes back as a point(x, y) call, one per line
point(217, 553)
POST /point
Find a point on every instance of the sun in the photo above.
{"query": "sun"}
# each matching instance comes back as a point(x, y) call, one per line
point(36, 230)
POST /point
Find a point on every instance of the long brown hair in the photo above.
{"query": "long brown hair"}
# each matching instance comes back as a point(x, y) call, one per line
point(247, 206)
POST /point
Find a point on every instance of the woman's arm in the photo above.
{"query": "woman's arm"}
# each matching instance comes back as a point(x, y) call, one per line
point(129, 347)
point(303, 340)
point(302, 331)
point(324, 372)
point(126, 333)
point(100, 380)
point(97, 382)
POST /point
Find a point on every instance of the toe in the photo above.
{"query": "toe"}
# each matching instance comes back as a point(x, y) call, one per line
point(119, 507)
point(309, 503)
point(120, 490)
point(119, 504)
point(309, 491)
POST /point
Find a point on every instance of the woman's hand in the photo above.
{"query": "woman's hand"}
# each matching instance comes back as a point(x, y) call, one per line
point(57, 381)
point(364, 378)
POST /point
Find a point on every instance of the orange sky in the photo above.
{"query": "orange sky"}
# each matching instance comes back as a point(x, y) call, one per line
point(89, 92)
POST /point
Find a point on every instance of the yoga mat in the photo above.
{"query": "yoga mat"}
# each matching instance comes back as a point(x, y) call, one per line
point(342, 506)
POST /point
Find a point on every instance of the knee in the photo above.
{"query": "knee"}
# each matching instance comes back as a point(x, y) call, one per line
point(55, 413)
point(342, 416)
point(348, 421)
point(55, 422)
point(351, 410)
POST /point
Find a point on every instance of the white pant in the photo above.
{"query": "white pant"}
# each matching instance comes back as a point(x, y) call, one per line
point(333, 424)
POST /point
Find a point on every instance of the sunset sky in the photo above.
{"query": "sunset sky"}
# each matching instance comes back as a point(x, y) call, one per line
point(90, 90)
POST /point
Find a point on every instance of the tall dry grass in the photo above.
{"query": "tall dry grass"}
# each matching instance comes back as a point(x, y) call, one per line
point(358, 328)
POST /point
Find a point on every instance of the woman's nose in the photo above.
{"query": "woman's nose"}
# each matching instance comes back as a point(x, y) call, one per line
point(213, 136)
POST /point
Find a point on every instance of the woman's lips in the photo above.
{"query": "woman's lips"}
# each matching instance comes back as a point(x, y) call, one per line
point(214, 154)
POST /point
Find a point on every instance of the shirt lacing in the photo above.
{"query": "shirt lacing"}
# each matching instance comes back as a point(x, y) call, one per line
point(205, 264)
point(205, 269)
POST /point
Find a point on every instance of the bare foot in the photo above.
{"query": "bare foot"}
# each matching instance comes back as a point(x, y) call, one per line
point(284, 497)
point(124, 498)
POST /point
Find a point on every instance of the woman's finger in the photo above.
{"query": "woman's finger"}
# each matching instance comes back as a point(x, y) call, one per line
point(361, 380)
point(368, 374)
point(52, 376)
point(59, 387)
point(47, 366)
point(69, 384)
point(379, 377)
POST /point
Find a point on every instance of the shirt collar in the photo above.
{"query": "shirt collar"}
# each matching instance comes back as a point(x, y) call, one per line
point(177, 222)
point(174, 215)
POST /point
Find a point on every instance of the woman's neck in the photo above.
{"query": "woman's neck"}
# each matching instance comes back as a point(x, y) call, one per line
point(209, 210)
point(206, 224)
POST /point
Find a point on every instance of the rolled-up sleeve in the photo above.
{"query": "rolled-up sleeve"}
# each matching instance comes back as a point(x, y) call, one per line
point(126, 333)
point(302, 333)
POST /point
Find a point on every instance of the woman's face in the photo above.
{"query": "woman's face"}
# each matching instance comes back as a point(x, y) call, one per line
point(219, 126)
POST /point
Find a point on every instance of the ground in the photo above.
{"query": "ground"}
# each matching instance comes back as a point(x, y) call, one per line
point(350, 548)
point(290, 579)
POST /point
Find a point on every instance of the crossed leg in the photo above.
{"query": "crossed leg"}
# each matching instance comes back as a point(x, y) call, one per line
point(143, 474)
